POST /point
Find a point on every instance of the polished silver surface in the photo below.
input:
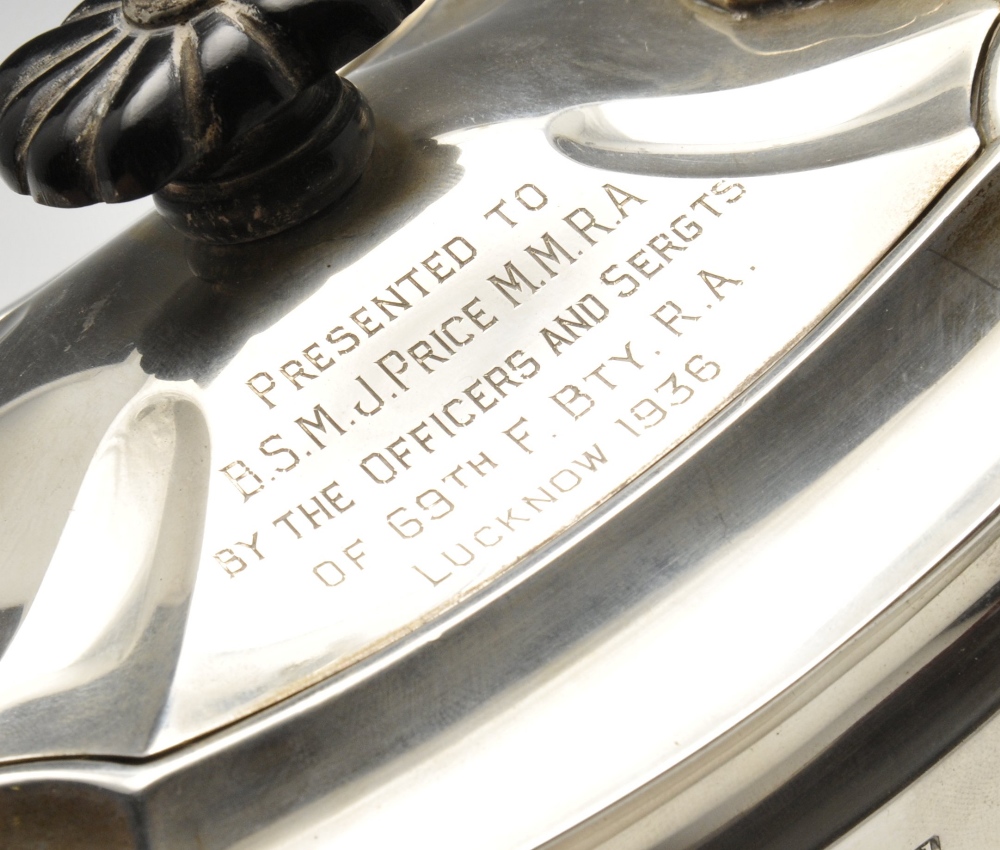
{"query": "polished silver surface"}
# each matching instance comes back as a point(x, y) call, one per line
point(470, 384)
point(702, 480)
point(956, 804)
point(957, 798)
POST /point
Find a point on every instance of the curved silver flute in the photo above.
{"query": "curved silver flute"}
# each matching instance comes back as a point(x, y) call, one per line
point(524, 424)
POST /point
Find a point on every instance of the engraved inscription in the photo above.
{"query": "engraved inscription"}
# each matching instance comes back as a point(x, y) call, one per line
point(392, 374)
point(501, 366)
point(515, 405)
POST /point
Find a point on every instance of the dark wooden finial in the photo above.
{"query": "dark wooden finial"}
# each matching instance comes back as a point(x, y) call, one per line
point(229, 112)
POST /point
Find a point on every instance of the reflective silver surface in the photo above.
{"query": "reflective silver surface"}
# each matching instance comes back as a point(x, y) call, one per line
point(954, 804)
point(713, 461)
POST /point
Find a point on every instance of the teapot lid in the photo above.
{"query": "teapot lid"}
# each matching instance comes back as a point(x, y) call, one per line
point(274, 470)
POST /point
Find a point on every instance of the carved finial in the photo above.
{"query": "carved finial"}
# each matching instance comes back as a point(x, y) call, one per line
point(217, 106)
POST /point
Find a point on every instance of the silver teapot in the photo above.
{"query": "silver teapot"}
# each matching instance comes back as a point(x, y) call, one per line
point(565, 425)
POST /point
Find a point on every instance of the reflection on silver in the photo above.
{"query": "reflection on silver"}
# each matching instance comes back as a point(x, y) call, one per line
point(583, 477)
point(956, 798)
point(854, 109)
